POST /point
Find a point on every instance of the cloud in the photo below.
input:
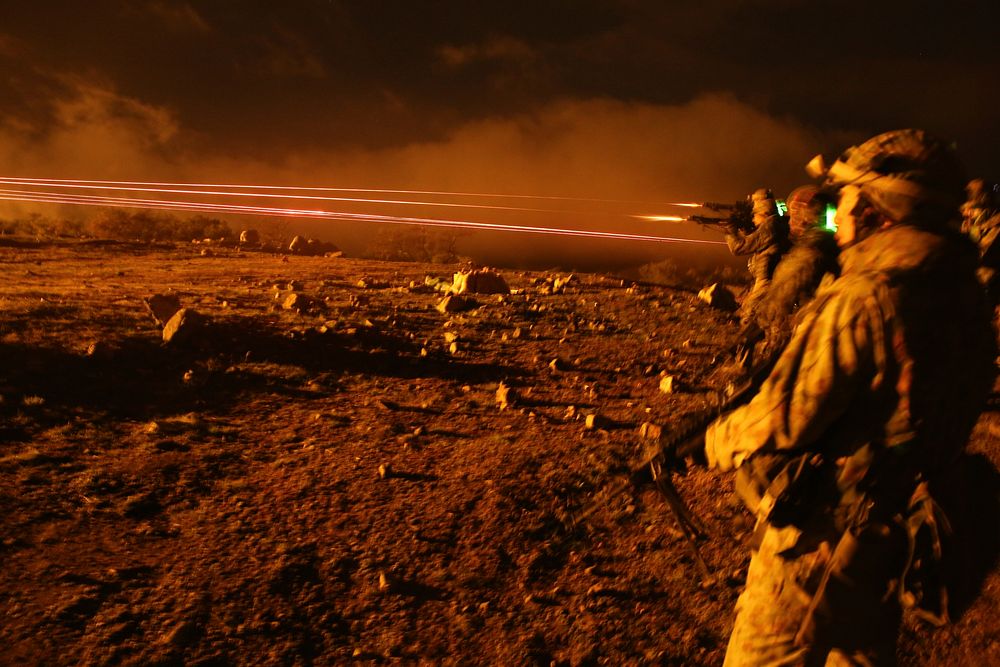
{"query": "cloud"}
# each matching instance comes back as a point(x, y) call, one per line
point(286, 54)
point(91, 129)
point(178, 16)
point(493, 49)
point(712, 146)
point(9, 46)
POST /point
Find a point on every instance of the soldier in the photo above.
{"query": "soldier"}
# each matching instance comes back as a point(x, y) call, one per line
point(765, 245)
point(981, 221)
point(797, 276)
point(873, 398)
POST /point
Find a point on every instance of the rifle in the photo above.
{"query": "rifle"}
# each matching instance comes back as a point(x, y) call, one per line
point(740, 216)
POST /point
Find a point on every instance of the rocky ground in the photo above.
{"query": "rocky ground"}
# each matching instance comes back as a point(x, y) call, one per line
point(336, 482)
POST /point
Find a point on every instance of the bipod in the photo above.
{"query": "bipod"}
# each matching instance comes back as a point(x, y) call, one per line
point(690, 525)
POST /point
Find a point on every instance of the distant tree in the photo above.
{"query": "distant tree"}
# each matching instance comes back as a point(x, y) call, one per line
point(200, 227)
point(42, 226)
point(150, 226)
point(413, 244)
point(276, 232)
point(124, 225)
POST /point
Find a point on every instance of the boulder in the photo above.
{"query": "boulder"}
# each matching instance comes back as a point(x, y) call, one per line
point(298, 245)
point(482, 281)
point(650, 431)
point(297, 302)
point(455, 304)
point(162, 307)
point(182, 326)
point(718, 296)
point(249, 237)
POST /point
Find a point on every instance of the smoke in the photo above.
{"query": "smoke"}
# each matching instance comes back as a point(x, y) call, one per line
point(714, 147)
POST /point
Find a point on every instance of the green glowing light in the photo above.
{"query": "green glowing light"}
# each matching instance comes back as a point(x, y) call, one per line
point(829, 218)
point(782, 206)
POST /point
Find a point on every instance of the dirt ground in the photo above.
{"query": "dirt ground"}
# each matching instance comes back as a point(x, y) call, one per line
point(339, 484)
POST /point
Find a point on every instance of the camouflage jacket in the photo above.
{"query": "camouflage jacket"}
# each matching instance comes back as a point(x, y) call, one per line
point(896, 355)
point(765, 245)
point(797, 276)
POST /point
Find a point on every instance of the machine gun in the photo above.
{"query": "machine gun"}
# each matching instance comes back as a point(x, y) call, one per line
point(739, 218)
point(665, 453)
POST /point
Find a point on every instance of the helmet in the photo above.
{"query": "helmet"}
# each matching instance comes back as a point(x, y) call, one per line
point(763, 202)
point(806, 206)
point(905, 174)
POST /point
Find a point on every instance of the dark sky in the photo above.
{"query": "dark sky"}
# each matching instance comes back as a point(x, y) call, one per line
point(613, 98)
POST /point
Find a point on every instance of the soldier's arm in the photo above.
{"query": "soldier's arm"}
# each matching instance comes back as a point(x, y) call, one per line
point(757, 240)
point(837, 352)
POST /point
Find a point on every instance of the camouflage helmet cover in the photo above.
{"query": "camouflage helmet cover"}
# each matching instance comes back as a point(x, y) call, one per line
point(905, 174)
point(806, 205)
point(763, 202)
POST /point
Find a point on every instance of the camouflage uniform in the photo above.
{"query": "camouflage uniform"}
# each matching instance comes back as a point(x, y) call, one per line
point(765, 245)
point(981, 221)
point(795, 280)
point(878, 388)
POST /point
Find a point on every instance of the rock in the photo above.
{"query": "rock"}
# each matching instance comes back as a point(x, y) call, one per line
point(595, 421)
point(718, 296)
point(558, 364)
point(482, 281)
point(650, 431)
point(180, 634)
point(384, 471)
point(297, 302)
point(207, 253)
point(249, 237)
point(668, 384)
point(182, 326)
point(505, 396)
point(367, 282)
point(455, 304)
point(312, 247)
point(162, 307)
point(435, 283)
point(100, 349)
point(559, 284)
